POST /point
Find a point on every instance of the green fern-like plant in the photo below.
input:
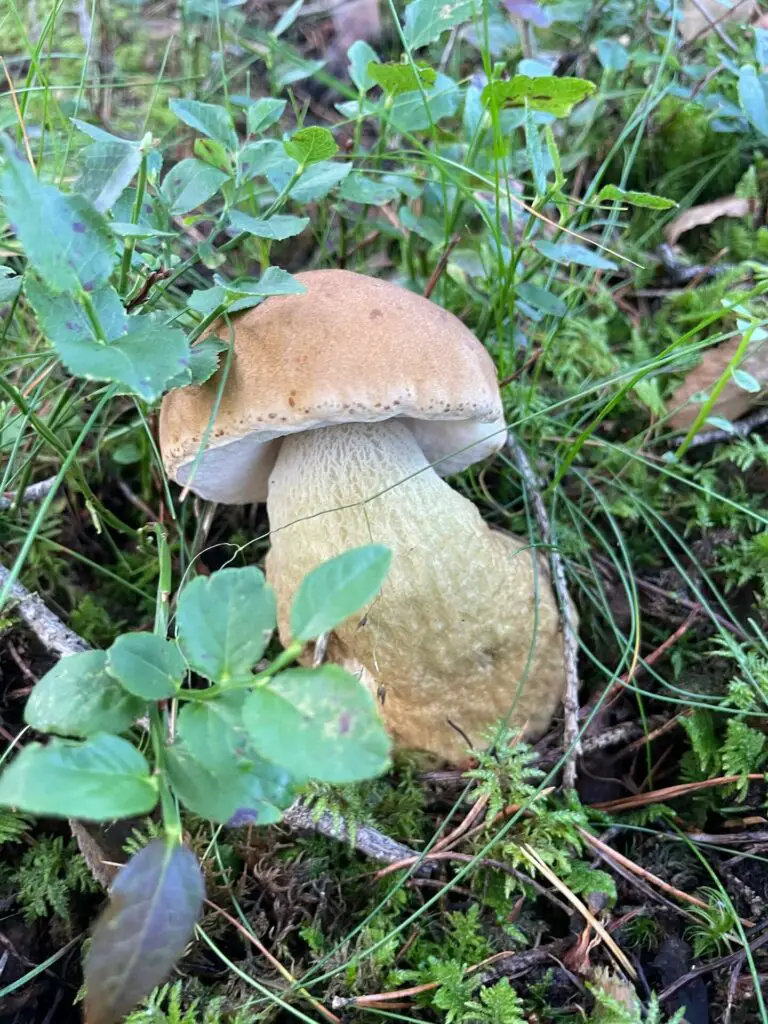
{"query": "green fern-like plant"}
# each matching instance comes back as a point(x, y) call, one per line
point(744, 752)
point(12, 826)
point(505, 772)
point(715, 931)
point(49, 875)
point(496, 1004)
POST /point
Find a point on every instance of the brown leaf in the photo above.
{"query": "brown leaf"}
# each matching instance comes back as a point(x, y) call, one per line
point(733, 401)
point(700, 15)
point(727, 206)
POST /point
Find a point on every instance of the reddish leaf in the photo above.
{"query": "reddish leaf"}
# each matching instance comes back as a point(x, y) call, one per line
point(154, 903)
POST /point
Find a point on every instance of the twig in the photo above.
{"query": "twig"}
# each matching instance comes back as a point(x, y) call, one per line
point(570, 643)
point(658, 796)
point(610, 854)
point(151, 279)
point(442, 263)
point(742, 428)
point(713, 24)
point(283, 971)
point(35, 492)
point(61, 640)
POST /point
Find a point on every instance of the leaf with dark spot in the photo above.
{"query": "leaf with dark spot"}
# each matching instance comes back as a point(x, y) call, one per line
point(154, 905)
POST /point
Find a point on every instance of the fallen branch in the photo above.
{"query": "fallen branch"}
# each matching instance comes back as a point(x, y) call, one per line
point(35, 492)
point(741, 428)
point(59, 639)
point(570, 642)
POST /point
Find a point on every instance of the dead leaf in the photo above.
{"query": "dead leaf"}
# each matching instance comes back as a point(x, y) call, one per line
point(610, 984)
point(733, 401)
point(700, 15)
point(696, 216)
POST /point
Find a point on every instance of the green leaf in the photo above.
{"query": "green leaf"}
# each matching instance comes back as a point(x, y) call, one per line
point(220, 794)
point(146, 665)
point(542, 299)
point(287, 18)
point(154, 904)
point(107, 170)
point(570, 252)
point(258, 157)
point(10, 284)
point(274, 281)
point(144, 357)
point(276, 227)
point(208, 118)
point(189, 184)
point(213, 153)
point(426, 20)
point(753, 98)
point(409, 113)
point(123, 230)
point(747, 382)
point(263, 114)
point(357, 188)
point(536, 155)
point(612, 55)
point(77, 697)
point(318, 724)
point(311, 146)
point(360, 55)
point(224, 622)
point(204, 355)
point(318, 180)
point(65, 239)
point(551, 95)
point(98, 780)
point(643, 199)
point(337, 589)
point(395, 78)
point(213, 730)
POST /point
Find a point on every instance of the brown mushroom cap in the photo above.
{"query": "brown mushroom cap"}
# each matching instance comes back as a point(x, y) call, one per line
point(352, 349)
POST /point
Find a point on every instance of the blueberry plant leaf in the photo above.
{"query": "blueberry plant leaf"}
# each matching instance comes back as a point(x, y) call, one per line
point(311, 146)
point(189, 184)
point(263, 114)
point(146, 665)
point(337, 589)
point(103, 778)
point(318, 724)
point(65, 239)
point(426, 20)
point(395, 78)
point(78, 697)
point(154, 904)
point(277, 228)
point(572, 252)
point(548, 94)
point(224, 622)
point(208, 118)
point(107, 170)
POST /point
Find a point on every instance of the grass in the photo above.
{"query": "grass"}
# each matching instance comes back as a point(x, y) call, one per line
point(591, 344)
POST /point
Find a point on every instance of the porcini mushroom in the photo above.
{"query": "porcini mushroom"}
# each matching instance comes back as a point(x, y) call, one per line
point(343, 409)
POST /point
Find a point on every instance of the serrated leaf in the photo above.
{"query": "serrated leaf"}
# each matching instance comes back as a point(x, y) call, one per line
point(753, 98)
point(263, 114)
point(311, 146)
point(189, 184)
point(146, 665)
point(218, 794)
point(642, 199)
point(209, 118)
point(318, 724)
point(224, 622)
point(359, 189)
point(277, 227)
point(107, 170)
point(550, 94)
point(395, 78)
point(203, 359)
point(65, 239)
point(542, 299)
point(360, 55)
point(154, 904)
point(77, 697)
point(426, 20)
point(98, 780)
point(337, 589)
point(571, 252)
point(144, 356)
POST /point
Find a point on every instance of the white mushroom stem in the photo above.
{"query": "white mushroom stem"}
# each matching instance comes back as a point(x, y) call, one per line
point(465, 629)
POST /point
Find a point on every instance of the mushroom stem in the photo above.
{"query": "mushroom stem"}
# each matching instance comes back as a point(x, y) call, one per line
point(465, 629)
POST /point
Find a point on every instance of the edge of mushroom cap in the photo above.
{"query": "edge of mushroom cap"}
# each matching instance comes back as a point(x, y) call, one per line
point(327, 375)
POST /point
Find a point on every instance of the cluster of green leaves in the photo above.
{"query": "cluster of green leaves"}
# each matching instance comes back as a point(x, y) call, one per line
point(243, 746)
point(49, 877)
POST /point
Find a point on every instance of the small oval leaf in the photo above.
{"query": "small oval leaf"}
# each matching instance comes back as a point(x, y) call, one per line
point(79, 698)
point(154, 904)
point(146, 665)
point(337, 589)
point(318, 724)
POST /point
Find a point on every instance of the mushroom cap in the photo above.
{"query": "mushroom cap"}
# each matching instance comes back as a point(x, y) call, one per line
point(351, 349)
